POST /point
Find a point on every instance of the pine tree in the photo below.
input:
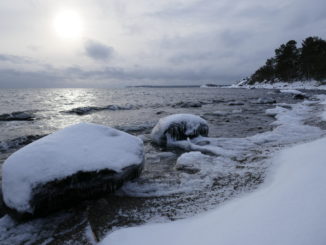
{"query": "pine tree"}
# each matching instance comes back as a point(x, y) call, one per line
point(287, 60)
point(313, 58)
point(291, 63)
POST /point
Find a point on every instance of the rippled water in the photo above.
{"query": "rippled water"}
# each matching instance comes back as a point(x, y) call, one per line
point(239, 127)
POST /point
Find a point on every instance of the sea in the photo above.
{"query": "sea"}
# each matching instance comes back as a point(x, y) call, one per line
point(246, 127)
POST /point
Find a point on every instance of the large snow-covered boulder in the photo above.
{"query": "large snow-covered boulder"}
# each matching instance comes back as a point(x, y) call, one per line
point(79, 162)
point(178, 127)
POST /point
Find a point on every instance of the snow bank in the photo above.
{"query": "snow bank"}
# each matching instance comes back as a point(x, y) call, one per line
point(83, 147)
point(289, 209)
point(178, 127)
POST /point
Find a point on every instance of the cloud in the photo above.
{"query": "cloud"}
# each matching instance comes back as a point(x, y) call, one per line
point(14, 59)
point(10, 78)
point(98, 51)
point(166, 42)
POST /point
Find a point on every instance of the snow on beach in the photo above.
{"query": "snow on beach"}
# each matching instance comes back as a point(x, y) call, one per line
point(288, 209)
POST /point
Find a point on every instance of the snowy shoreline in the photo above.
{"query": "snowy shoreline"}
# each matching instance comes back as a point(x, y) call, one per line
point(308, 85)
point(287, 209)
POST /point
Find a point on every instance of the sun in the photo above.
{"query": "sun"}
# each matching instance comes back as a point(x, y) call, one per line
point(68, 24)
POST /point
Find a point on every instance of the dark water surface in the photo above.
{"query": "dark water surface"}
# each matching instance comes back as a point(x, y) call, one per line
point(236, 117)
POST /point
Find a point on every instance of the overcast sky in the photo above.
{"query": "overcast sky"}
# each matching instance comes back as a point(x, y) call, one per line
point(132, 42)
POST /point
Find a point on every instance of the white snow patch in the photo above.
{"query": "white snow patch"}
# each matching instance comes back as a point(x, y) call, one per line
point(291, 91)
point(81, 147)
point(288, 209)
point(275, 111)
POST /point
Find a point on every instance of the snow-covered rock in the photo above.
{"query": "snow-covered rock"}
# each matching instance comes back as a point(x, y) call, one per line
point(75, 163)
point(178, 127)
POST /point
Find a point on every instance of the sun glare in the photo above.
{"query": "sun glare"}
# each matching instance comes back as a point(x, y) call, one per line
point(68, 24)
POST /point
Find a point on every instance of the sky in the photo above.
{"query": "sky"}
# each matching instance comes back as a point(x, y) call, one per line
point(116, 43)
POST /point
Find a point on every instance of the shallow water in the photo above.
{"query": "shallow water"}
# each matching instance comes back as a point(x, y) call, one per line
point(245, 135)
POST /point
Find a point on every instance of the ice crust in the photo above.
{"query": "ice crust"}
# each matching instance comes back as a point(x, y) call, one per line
point(81, 147)
point(288, 209)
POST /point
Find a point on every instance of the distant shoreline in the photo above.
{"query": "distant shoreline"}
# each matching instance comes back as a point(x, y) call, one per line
point(179, 86)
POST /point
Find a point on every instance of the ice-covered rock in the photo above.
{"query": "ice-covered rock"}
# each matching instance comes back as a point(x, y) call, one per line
point(79, 162)
point(178, 127)
point(232, 103)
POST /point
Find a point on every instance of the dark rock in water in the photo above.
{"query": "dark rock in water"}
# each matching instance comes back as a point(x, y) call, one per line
point(178, 127)
point(83, 161)
point(17, 116)
point(160, 112)
point(235, 103)
point(91, 109)
point(18, 142)
point(300, 96)
point(3, 209)
point(188, 104)
point(67, 192)
point(218, 101)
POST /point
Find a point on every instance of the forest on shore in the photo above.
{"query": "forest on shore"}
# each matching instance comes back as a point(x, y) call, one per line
point(291, 63)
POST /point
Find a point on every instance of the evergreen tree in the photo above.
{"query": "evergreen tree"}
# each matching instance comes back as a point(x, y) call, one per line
point(266, 72)
point(291, 63)
point(287, 60)
point(313, 58)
